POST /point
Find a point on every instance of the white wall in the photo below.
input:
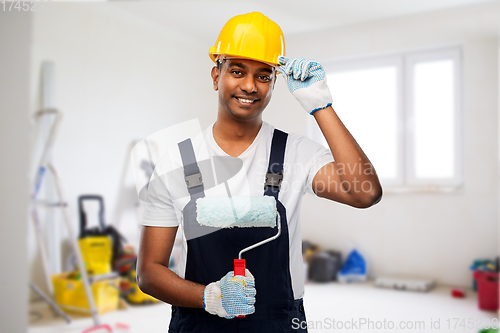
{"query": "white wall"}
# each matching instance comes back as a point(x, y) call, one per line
point(428, 235)
point(14, 146)
point(117, 78)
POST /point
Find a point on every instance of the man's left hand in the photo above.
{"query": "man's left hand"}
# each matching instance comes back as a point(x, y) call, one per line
point(306, 80)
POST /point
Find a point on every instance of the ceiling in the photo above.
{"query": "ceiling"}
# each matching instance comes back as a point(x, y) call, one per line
point(204, 19)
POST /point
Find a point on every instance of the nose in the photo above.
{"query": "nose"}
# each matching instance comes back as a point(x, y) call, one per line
point(248, 84)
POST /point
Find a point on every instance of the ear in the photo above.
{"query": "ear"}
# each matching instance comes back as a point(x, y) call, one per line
point(215, 77)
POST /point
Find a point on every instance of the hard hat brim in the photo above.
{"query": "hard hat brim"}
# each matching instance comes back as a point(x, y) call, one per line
point(213, 56)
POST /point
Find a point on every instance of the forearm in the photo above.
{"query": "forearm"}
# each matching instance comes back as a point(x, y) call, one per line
point(355, 171)
point(163, 284)
point(156, 279)
point(153, 275)
point(351, 179)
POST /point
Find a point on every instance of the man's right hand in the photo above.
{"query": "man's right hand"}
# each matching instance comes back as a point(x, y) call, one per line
point(232, 296)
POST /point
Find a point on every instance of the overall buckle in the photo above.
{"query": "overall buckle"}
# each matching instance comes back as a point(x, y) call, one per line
point(194, 180)
point(273, 180)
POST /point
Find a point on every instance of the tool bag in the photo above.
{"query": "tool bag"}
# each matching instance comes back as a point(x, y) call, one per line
point(324, 266)
point(100, 245)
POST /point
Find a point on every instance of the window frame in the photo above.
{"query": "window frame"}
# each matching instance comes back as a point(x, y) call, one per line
point(453, 54)
point(406, 179)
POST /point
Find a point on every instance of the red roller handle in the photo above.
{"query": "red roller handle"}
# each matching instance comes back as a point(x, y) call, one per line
point(239, 269)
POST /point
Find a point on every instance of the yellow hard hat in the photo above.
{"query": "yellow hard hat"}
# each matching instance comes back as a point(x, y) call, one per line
point(253, 36)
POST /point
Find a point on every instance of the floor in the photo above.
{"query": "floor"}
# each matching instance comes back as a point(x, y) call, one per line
point(329, 307)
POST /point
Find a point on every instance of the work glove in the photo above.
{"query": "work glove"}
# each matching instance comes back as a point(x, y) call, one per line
point(306, 80)
point(231, 296)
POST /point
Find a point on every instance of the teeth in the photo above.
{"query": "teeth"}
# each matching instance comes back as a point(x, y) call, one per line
point(245, 100)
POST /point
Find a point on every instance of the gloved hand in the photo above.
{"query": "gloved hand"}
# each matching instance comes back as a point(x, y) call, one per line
point(231, 296)
point(306, 80)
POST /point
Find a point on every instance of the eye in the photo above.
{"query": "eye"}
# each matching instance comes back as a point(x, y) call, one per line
point(236, 72)
point(265, 78)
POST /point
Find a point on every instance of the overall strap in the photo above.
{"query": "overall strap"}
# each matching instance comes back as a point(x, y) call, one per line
point(192, 174)
point(274, 174)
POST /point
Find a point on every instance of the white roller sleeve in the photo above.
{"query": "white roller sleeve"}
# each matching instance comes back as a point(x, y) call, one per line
point(243, 212)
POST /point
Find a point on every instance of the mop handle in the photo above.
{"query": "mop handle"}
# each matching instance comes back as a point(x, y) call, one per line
point(239, 269)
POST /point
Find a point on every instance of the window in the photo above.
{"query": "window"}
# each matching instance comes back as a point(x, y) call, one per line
point(403, 110)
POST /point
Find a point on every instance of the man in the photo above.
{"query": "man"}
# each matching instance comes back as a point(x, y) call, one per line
point(207, 296)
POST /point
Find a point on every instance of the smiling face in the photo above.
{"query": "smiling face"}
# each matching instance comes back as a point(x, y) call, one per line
point(245, 88)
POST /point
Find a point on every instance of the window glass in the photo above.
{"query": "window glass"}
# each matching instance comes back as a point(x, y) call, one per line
point(366, 102)
point(433, 123)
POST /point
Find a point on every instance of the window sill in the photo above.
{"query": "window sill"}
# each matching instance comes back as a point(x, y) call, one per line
point(423, 189)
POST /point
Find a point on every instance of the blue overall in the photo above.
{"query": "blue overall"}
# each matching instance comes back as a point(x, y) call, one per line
point(210, 256)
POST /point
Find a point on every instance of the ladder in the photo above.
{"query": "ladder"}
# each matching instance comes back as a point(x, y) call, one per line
point(47, 121)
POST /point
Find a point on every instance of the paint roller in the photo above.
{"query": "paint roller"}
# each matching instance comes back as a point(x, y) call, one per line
point(241, 212)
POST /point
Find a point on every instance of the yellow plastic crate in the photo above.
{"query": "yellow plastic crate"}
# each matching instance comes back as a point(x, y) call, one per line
point(70, 294)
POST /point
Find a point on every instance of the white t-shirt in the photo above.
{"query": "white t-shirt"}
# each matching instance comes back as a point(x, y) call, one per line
point(303, 159)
